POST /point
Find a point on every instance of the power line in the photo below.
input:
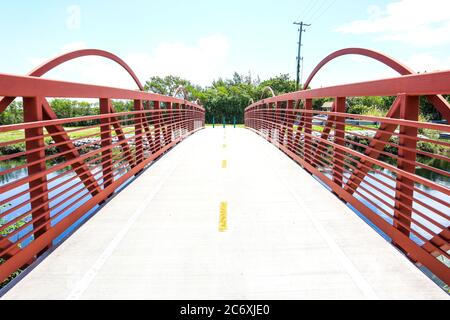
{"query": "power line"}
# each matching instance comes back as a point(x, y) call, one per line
point(299, 56)
point(316, 4)
point(318, 9)
point(326, 10)
point(307, 10)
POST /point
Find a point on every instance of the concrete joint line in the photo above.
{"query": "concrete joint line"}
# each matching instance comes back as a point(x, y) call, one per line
point(82, 285)
point(345, 262)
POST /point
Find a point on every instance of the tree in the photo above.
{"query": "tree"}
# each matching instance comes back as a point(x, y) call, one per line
point(280, 84)
point(13, 114)
point(168, 85)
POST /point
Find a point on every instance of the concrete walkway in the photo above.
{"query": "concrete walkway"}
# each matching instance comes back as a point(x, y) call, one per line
point(287, 237)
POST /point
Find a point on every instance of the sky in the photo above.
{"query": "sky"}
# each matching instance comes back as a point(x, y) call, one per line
point(202, 40)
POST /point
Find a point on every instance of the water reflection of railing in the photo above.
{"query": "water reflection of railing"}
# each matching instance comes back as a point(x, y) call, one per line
point(70, 171)
point(375, 168)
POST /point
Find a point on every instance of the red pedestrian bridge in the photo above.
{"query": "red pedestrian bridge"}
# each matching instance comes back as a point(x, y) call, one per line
point(149, 203)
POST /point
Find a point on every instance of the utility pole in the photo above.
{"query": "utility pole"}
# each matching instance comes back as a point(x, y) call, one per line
point(299, 57)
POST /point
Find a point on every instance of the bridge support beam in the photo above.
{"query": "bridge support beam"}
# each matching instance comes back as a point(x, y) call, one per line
point(169, 121)
point(378, 143)
point(156, 122)
point(115, 121)
point(339, 139)
point(281, 123)
point(409, 110)
point(321, 146)
point(105, 129)
point(35, 146)
point(308, 131)
point(138, 131)
point(163, 123)
point(290, 123)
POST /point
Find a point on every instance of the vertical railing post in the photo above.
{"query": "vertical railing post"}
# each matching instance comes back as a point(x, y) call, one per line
point(157, 124)
point(269, 120)
point(263, 119)
point(105, 136)
point(253, 113)
point(170, 127)
point(138, 132)
point(249, 114)
point(173, 129)
point(149, 127)
point(339, 139)
point(163, 121)
point(409, 110)
point(290, 124)
point(186, 118)
point(308, 131)
point(180, 120)
point(246, 120)
point(280, 118)
point(191, 119)
point(256, 114)
point(32, 112)
point(183, 119)
point(259, 116)
point(168, 123)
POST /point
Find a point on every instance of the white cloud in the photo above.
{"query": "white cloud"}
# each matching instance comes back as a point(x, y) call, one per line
point(73, 21)
point(72, 46)
point(416, 22)
point(425, 62)
point(200, 63)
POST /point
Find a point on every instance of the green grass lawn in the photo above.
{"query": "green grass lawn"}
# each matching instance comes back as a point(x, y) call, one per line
point(228, 125)
point(20, 134)
point(347, 128)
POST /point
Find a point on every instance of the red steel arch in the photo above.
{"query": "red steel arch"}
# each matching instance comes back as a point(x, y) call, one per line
point(55, 62)
point(438, 101)
point(390, 62)
point(114, 156)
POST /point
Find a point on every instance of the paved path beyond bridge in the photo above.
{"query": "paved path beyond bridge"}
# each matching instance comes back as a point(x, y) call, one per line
point(286, 237)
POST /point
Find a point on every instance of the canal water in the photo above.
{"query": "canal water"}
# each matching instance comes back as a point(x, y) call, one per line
point(57, 206)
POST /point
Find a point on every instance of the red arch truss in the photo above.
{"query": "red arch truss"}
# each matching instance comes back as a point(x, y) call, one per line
point(58, 132)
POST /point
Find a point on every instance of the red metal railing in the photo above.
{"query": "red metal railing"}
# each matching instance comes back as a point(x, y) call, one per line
point(70, 171)
point(384, 173)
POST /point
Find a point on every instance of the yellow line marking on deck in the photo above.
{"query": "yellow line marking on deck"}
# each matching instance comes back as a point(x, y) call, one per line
point(223, 222)
point(224, 164)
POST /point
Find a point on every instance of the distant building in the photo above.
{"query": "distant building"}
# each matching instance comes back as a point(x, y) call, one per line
point(328, 106)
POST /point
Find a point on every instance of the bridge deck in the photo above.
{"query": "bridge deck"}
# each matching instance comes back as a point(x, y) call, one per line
point(287, 238)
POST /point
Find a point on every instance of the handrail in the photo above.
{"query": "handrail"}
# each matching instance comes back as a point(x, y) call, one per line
point(374, 168)
point(29, 87)
point(65, 174)
point(55, 62)
point(418, 84)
